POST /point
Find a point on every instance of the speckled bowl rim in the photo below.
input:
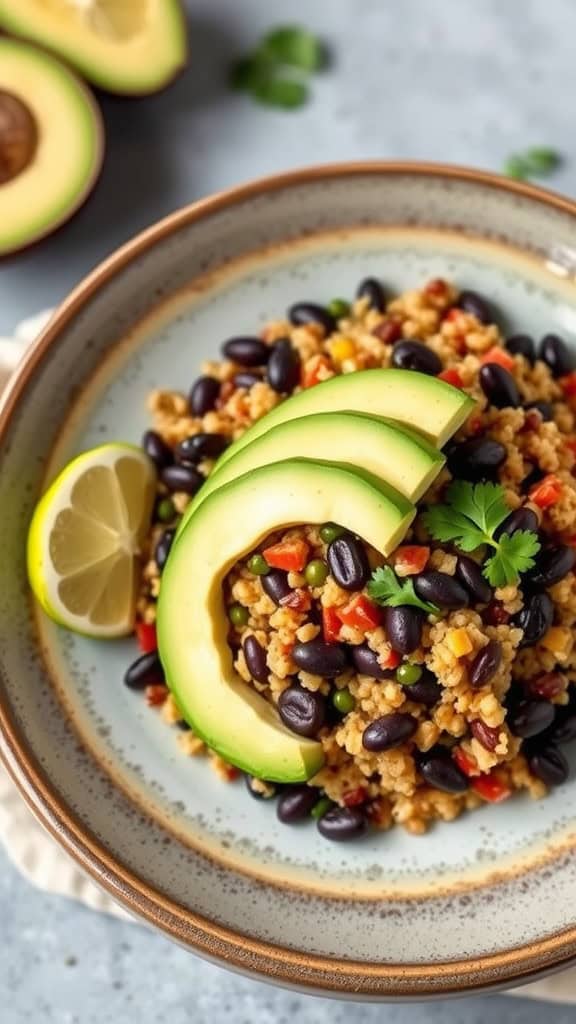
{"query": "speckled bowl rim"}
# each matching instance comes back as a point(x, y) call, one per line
point(219, 944)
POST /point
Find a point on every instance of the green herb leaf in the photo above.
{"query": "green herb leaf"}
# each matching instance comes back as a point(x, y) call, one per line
point(542, 160)
point(515, 167)
point(470, 519)
point(295, 46)
point(281, 92)
point(247, 73)
point(386, 588)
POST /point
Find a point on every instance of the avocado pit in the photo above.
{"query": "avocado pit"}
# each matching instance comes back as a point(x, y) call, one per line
point(18, 137)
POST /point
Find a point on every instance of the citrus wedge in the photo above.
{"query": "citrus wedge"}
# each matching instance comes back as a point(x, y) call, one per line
point(85, 539)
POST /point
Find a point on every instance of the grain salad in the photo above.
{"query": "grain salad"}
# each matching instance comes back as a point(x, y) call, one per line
point(434, 684)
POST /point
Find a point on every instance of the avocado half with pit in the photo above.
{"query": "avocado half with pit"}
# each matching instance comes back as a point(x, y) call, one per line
point(51, 144)
point(403, 459)
point(123, 46)
point(192, 624)
point(425, 404)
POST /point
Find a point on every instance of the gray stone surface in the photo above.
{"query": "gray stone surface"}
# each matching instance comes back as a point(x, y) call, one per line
point(466, 81)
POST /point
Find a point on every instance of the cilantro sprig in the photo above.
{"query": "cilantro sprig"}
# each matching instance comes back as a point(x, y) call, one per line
point(537, 162)
point(470, 519)
point(386, 588)
point(276, 71)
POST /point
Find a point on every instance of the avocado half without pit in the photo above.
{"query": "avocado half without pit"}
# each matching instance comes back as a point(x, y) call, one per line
point(51, 144)
point(132, 47)
point(266, 485)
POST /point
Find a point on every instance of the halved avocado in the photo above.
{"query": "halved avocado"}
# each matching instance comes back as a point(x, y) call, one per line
point(51, 144)
point(123, 46)
point(192, 626)
point(392, 453)
point(425, 404)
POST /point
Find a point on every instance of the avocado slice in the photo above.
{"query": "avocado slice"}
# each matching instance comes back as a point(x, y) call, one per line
point(133, 47)
point(424, 404)
point(51, 144)
point(192, 625)
point(402, 459)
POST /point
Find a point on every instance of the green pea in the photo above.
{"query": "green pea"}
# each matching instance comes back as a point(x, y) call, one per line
point(343, 701)
point(316, 572)
point(338, 308)
point(238, 615)
point(320, 809)
point(165, 510)
point(407, 674)
point(258, 565)
point(330, 531)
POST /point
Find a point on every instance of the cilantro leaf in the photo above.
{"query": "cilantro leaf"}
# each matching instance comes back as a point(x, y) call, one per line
point(293, 45)
point(386, 588)
point(281, 92)
point(470, 518)
point(538, 161)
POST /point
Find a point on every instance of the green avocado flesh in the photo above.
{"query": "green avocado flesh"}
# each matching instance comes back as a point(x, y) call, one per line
point(404, 460)
point(424, 404)
point(192, 625)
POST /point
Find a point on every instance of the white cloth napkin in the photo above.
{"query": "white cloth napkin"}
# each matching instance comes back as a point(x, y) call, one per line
point(45, 864)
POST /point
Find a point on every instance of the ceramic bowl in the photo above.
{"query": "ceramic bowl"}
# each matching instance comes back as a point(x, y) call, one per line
point(484, 902)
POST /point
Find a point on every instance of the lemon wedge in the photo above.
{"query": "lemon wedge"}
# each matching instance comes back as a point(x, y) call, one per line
point(86, 537)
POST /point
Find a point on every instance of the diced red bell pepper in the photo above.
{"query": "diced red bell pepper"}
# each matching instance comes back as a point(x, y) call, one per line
point(360, 613)
point(410, 559)
point(331, 625)
point(453, 314)
point(355, 797)
point(313, 373)
point(475, 424)
point(298, 600)
point(390, 660)
point(146, 636)
point(436, 287)
point(568, 384)
point(500, 356)
point(231, 773)
point(156, 694)
point(547, 491)
point(290, 555)
point(451, 376)
point(465, 762)
point(491, 787)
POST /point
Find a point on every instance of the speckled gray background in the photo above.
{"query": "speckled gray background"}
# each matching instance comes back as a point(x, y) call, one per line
point(466, 81)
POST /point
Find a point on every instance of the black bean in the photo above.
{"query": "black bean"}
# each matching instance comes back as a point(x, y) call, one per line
point(549, 765)
point(440, 771)
point(203, 396)
point(145, 671)
point(441, 589)
point(157, 449)
point(426, 691)
point(295, 803)
point(320, 658)
point(264, 790)
point(302, 711)
point(522, 345)
point(275, 584)
point(162, 549)
point(283, 370)
point(372, 290)
point(200, 446)
point(552, 565)
point(182, 725)
point(302, 313)
point(415, 355)
point(485, 664)
point(479, 458)
point(535, 618)
point(246, 351)
point(246, 379)
point(564, 731)
point(531, 717)
point(342, 823)
point(348, 562)
point(388, 731)
point(556, 354)
point(475, 304)
point(470, 574)
point(366, 662)
point(544, 408)
point(255, 656)
point(521, 519)
point(499, 386)
point(182, 478)
point(404, 628)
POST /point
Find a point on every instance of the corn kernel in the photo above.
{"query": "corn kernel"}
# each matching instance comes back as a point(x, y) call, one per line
point(341, 349)
point(459, 642)
point(558, 639)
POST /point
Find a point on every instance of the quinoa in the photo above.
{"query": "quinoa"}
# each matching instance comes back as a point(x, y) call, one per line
point(472, 728)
